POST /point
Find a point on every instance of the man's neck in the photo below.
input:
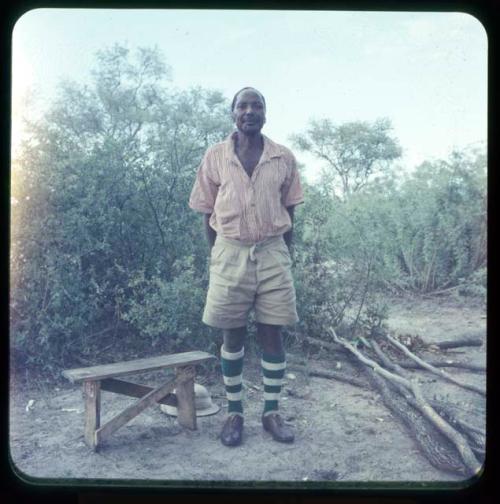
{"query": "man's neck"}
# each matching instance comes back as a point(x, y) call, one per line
point(248, 142)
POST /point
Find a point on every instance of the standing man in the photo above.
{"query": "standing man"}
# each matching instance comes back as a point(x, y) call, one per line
point(247, 187)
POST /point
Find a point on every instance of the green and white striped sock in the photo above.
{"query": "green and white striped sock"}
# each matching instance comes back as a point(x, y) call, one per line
point(232, 372)
point(273, 368)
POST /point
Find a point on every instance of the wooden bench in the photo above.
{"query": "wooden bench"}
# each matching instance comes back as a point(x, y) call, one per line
point(98, 378)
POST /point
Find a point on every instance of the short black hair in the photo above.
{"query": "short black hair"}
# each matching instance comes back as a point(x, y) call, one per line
point(244, 89)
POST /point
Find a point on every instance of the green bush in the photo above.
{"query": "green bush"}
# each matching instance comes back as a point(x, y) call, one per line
point(160, 310)
point(338, 263)
point(439, 222)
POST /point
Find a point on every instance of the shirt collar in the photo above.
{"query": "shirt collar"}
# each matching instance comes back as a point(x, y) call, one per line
point(271, 149)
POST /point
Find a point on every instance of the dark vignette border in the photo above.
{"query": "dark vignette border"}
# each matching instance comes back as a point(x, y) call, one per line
point(14, 486)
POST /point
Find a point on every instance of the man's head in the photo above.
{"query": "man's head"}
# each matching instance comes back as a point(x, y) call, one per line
point(248, 110)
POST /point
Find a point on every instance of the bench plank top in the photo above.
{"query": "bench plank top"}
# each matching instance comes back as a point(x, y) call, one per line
point(136, 365)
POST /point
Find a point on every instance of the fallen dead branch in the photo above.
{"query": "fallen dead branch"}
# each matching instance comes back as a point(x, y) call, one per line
point(438, 372)
point(332, 375)
point(393, 378)
point(447, 363)
point(456, 437)
point(466, 341)
point(434, 445)
point(325, 344)
point(408, 364)
point(402, 384)
point(441, 291)
point(395, 367)
point(474, 436)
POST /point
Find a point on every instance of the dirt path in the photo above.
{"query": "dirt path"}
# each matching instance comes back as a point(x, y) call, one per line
point(343, 433)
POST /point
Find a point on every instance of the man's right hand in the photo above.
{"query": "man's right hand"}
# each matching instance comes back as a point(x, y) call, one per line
point(210, 233)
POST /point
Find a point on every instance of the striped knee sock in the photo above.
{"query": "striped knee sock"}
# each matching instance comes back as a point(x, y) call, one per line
point(273, 368)
point(232, 368)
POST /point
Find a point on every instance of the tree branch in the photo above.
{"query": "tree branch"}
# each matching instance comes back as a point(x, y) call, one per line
point(438, 372)
point(455, 437)
point(470, 431)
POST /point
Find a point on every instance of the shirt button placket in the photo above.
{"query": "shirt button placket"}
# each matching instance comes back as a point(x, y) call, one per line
point(252, 207)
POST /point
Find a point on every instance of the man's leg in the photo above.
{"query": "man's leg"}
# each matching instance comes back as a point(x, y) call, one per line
point(232, 352)
point(273, 368)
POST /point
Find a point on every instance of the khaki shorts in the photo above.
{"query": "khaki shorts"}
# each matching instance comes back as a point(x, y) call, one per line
point(244, 276)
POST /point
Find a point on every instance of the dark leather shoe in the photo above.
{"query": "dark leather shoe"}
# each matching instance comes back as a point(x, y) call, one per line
point(274, 424)
point(232, 431)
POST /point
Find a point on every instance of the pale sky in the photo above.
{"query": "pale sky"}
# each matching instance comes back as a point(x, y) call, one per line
point(427, 72)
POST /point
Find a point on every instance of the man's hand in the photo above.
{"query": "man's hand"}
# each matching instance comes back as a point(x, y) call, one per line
point(291, 250)
point(210, 233)
point(288, 235)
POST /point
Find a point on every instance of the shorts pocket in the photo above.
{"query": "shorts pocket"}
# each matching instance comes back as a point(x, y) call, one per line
point(216, 254)
point(286, 252)
point(282, 256)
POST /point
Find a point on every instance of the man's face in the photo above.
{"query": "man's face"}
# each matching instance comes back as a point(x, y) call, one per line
point(249, 113)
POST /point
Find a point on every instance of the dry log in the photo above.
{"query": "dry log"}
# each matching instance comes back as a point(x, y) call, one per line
point(435, 446)
point(438, 372)
point(455, 437)
point(448, 363)
point(475, 437)
point(411, 364)
point(465, 341)
point(458, 440)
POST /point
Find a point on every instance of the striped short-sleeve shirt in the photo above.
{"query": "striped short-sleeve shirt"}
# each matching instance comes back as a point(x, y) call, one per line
point(248, 209)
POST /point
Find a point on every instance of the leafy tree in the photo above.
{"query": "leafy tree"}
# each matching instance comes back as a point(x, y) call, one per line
point(352, 152)
point(102, 237)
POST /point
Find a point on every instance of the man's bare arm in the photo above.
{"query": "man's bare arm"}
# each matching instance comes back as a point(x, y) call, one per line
point(288, 235)
point(209, 231)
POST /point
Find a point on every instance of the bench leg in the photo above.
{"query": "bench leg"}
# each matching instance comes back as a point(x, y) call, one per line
point(92, 398)
point(184, 390)
point(133, 410)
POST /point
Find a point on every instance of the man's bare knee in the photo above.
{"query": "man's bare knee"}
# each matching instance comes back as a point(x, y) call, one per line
point(269, 337)
point(268, 330)
point(234, 339)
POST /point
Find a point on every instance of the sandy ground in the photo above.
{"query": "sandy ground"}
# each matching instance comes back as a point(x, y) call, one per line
point(343, 434)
